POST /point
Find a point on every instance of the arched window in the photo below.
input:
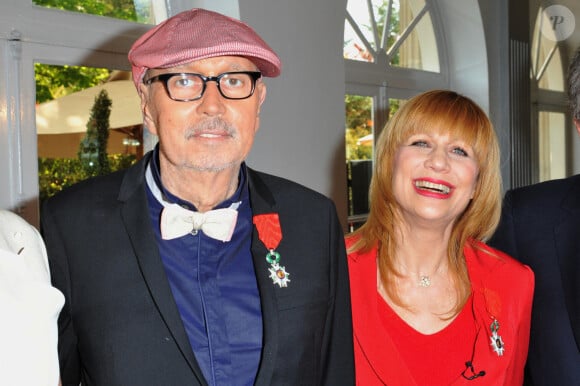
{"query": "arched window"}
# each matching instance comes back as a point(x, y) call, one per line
point(392, 51)
point(391, 33)
point(550, 117)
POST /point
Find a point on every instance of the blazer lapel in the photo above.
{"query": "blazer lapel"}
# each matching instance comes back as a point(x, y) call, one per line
point(487, 307)
point(483, 356)
point(262, 201)
point(567, 240)
point(372, 339)
point(135, 215)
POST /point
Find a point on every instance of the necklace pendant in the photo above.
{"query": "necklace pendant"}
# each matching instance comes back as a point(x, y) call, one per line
point(424, 281)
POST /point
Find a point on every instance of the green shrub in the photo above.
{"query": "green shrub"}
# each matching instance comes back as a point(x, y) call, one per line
point(56, 174)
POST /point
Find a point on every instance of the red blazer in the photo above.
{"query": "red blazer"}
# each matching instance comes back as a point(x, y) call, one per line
point(502, 288)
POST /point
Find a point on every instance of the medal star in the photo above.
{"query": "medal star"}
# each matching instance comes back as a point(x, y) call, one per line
point(279, 275)
point(497, 343)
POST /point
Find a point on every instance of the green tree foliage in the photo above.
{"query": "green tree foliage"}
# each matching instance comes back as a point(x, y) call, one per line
point(119, 9)
point(56, 81)
point(93, 147)
point(359, 123)
point(54, 175)
point(394, 105)
point(394, 26)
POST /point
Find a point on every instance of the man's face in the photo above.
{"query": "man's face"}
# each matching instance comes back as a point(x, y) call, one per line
point(211, 133)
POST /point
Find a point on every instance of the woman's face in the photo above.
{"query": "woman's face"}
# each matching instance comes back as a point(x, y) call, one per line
point(434, 178)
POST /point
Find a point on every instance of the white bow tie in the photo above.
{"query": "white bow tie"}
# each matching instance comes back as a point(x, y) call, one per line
point(177, 221)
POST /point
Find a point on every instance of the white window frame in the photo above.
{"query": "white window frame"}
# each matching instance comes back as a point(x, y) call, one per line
point(28, 34)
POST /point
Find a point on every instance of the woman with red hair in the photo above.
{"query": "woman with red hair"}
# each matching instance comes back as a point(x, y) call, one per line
point(432, 303)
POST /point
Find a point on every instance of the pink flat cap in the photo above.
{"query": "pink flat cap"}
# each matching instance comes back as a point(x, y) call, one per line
point(199, 34)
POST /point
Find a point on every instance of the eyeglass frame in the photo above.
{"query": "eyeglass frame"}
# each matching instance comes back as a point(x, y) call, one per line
point(164, 79)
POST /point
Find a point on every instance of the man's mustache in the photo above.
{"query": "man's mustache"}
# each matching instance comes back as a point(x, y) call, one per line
point(214, 125)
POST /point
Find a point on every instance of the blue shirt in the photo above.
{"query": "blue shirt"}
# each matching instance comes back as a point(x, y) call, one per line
point(215, 289)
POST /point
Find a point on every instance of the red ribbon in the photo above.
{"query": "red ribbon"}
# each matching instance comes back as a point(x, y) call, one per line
point(269, 229)
point(492, 302)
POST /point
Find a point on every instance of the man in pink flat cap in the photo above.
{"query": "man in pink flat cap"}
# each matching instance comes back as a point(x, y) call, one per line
point(191, 268)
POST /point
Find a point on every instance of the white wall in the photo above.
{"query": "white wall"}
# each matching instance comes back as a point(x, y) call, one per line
point(495, 19)
point(302, 125)
point(465, 40)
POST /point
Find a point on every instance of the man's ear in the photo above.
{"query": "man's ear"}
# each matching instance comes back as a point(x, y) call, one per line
point(577, 124)
point(148, 122)
point(262, 90)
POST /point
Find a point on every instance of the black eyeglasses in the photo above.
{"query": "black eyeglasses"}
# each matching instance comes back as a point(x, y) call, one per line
point(186, 87)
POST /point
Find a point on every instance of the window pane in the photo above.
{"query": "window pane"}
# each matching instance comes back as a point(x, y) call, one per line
point(73, 140)
point(419, 49)
point(552, 145)
point(398, 33)
point(142, 11)
point(546, 59)
point(359, 155)
point(361, 31)
point(360, 139)
point(354, 47)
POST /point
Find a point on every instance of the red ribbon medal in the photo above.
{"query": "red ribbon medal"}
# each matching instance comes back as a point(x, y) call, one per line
point(493, 306)
point(270, 233)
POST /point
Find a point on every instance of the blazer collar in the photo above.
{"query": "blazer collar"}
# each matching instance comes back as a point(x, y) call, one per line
point(377, 347)
point(567, 244)
point(571, 201)
point(135, 215)
point(262, 201)
point(487, 308)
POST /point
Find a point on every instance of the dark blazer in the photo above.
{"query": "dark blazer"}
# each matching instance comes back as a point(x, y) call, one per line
point(540, 226)
point(120, 324)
